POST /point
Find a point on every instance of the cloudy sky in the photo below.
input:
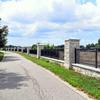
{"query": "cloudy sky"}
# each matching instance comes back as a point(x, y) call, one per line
point(51, 21)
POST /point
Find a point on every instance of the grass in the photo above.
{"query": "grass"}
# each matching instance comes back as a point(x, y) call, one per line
point(1, 55)
point(85, 83)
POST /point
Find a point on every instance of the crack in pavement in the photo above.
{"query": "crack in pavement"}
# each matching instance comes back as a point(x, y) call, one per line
point(36, 86)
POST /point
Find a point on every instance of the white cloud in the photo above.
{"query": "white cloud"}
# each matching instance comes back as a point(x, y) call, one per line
point(23, 15)
point(49, 17)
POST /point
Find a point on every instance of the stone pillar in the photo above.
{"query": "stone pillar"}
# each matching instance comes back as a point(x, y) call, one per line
point(11, 49)
point(22, 49)
point(28, 50)
point(17, 49)
point(39, 47)
point(5, 49)
point(14, 49)
point(69, 52)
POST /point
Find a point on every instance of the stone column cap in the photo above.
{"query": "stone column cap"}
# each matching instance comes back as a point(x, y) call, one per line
point(72, 40)
point(40, 44)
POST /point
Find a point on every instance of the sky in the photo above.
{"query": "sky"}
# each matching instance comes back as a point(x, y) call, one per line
point(51, 21)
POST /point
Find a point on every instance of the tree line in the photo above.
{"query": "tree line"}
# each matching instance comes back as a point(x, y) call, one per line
point(92, 45)
point(88, 46)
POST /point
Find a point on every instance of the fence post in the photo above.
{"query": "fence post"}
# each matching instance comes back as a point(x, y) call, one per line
point(69, 52)
point(39, 47)
point(38, 50)
point(11, 48)
point(17, 49)
point(6, 49)
point(28, 50)
point(14, 49)
point(75, 55)
point(96, 58)
point(22, 49)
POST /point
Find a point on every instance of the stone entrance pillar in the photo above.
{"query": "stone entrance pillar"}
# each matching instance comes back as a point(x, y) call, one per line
point(14, 49)
point(22, 49)
point(28, 50)
point(39, 47)
point(6, 49)
point(69, 52)
point(9, 49)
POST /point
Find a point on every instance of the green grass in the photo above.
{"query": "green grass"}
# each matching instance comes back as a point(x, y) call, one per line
point(1, 55)
point(87, 84)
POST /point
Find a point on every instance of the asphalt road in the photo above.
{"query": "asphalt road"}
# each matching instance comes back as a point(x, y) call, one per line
point(21, 79)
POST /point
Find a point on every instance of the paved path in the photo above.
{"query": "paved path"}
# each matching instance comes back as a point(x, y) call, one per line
point(21, 79)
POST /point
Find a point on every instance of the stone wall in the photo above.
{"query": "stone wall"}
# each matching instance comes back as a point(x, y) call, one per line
point(87, 70)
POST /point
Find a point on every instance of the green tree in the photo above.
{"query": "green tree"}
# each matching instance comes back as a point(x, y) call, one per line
point(88, 46)
point(97, 45)
point(48, 46)
point(82, 46)
point(34, 47)
point(99, 41)
point(92, 45)
point(3, 35)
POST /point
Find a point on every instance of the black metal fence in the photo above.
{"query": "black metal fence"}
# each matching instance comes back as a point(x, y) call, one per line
point(33, 51)
point(53, 53)
point(89, 57)
point(19, 50)
point(25, 50)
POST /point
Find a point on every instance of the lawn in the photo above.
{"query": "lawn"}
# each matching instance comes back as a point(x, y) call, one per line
point(87, 84)
point(1, 55)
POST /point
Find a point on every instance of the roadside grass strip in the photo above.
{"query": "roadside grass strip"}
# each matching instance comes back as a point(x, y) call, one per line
point(1, 55)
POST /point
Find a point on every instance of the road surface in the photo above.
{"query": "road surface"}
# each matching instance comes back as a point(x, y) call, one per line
point(21, 79)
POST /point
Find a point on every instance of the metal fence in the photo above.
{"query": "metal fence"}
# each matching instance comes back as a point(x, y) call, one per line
point(19, 50)
point(89, 57)
point(33, 51)
point(25, 50)
point(53, 53)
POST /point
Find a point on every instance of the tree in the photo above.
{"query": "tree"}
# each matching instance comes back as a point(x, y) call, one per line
point(99, 41)
point(3, 35)
point(88, 46)
point(48, 46)
point(34, 47)
point(97, 45)
point(92, 45)
point(82, 46)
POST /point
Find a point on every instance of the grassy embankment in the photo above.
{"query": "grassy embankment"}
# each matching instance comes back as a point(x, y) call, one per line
point(87, 84)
